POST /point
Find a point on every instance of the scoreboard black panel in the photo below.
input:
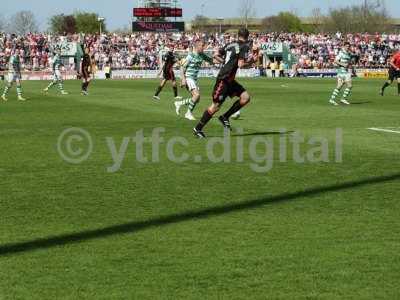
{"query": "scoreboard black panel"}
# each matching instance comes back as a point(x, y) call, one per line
point(157, 12)
point(141, 26)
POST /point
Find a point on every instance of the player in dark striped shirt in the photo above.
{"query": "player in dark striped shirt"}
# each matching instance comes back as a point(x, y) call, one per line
point(233, 56)
point(86, 70)
point(167, 69)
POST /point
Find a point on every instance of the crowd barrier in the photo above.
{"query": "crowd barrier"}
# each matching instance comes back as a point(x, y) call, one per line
point(152, 74)
point(204, 73)
point(361, 73)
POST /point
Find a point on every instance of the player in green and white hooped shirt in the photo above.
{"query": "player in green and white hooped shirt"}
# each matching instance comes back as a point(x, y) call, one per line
point(189, 74)
point(14, 75)
point(56, 64)
point(343, 60)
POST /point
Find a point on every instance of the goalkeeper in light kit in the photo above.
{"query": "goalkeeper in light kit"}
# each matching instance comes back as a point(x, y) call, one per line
point(14, 75)
point(189, 73)
point(57, 78)
point(343, 60)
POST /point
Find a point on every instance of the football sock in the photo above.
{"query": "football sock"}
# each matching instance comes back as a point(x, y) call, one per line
point(158, 91)
point(385, 85)
point(398, 88)
point(204, 120)
point(6, 89)
point(87, 85)
point(192, 105)
point(175, 91)
point(60, 86)
point(51, 84)
point(185, 101)
point(335, 94)
point(347, 93)
point(235, 108)
point(19, 90)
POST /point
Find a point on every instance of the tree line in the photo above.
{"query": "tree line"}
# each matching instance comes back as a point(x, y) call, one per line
point(24, 22)
point(84, 22)
point(370, 16)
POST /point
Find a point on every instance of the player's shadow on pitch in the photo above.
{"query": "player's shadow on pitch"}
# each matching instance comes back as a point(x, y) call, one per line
point(137, 226)
point(256, 133)
point(361, 102)
point(265, 133)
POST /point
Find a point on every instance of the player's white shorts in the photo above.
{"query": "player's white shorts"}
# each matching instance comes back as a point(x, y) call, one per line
point(346, 77)
point(57, 75)
point(12, 77)
point(192, 84)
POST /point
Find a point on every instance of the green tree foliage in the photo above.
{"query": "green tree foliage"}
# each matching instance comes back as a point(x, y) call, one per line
point(78, 22)
point(61, 24)
point(370, 17)
point(88, 22)
point(200, 23)
point(284, 21)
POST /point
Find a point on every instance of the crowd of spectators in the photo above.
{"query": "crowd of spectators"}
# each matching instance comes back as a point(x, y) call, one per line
point(141, 50)
point(318, 51)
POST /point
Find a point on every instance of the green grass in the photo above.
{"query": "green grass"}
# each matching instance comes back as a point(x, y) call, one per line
point(199, 230)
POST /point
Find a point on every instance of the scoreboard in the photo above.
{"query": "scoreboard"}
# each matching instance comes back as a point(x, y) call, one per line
point(157, 12)
point(150, 18)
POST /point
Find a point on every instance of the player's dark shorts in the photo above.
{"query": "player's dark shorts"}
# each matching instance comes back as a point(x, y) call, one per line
point(85, 73)
point(169, 74)
point(224, 88)
point(393, 74)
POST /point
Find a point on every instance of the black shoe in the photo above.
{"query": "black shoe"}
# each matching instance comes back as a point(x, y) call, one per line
point(225, 122)
point(199, 134)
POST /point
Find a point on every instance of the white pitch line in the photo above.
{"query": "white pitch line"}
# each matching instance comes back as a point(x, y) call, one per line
point(384, 130)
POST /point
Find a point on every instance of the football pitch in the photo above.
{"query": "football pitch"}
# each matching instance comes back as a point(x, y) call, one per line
point(300, 224)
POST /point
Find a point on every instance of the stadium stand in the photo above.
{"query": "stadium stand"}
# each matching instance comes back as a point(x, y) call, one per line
point(141, 50)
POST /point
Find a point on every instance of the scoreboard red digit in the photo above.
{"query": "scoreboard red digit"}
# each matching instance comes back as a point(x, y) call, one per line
point(157, 12)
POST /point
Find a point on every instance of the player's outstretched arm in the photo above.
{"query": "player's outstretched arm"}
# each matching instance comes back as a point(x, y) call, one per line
point(218, 60)
point(208, 59)
point(183, 72)
point(218, 57)
point(248, 61)
point(242, 63)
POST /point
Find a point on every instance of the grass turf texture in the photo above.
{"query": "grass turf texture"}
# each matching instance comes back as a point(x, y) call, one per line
point(199, 230)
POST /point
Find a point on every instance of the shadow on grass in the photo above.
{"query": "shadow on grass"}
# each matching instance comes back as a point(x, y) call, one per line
point(264, 133)
point(360, 102)
point(261, 133)
point(133, 227)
